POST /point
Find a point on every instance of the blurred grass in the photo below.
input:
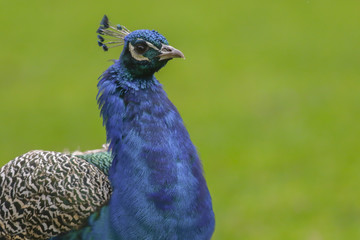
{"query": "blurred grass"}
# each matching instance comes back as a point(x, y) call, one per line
point(269, 92)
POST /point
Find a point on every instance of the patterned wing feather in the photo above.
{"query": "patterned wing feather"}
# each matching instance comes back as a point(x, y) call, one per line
point(43, 194)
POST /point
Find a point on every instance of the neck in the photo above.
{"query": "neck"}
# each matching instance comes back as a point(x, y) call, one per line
point(156, 173)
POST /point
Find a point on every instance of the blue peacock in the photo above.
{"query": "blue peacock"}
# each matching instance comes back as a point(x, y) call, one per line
point(147, 183)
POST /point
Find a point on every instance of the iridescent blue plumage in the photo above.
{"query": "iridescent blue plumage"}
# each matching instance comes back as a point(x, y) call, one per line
point(159, 191)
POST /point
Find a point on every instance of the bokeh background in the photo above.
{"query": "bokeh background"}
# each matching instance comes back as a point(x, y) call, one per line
point(269, 92)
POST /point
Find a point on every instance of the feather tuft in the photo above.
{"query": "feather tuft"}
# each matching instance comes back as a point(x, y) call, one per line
point(101, 39)
point(105, 22)
point(116, 33)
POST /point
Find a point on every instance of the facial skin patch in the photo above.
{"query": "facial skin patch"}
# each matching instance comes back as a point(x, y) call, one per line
point(137, 56)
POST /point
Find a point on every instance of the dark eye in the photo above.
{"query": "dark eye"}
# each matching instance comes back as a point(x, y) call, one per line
point(141, 48)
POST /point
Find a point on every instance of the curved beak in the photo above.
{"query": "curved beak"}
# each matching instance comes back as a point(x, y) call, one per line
point(169, 52)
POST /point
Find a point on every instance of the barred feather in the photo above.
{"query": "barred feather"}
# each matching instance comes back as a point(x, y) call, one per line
point(44, 194)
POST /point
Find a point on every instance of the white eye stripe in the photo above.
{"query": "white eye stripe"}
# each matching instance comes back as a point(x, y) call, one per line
point(150, 44)
point(135, 55)
point(138, 56)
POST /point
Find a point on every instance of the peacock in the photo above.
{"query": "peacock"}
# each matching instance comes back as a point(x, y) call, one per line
point(146, 183)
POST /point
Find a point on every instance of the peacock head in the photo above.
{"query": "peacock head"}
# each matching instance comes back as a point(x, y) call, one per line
point(145, 52)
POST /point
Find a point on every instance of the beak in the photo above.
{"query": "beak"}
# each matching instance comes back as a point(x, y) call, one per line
point(169, 52)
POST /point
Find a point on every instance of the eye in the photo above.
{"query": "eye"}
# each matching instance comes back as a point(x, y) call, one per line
point(141, 48)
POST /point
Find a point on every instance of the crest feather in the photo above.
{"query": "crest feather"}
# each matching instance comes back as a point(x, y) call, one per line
point(116, 34)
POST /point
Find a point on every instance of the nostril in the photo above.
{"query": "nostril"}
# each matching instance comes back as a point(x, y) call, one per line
point(167, 49)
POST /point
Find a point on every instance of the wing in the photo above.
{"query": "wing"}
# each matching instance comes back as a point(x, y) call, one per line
point(43, 194)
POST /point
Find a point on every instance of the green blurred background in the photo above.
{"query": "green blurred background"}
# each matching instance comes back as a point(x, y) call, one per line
point(269, 91)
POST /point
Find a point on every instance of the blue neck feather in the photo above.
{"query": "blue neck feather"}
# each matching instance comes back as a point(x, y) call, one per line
point(158, 186)
point(159, 191)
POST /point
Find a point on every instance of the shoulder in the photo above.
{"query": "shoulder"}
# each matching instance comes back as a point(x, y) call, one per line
point(46, 193)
